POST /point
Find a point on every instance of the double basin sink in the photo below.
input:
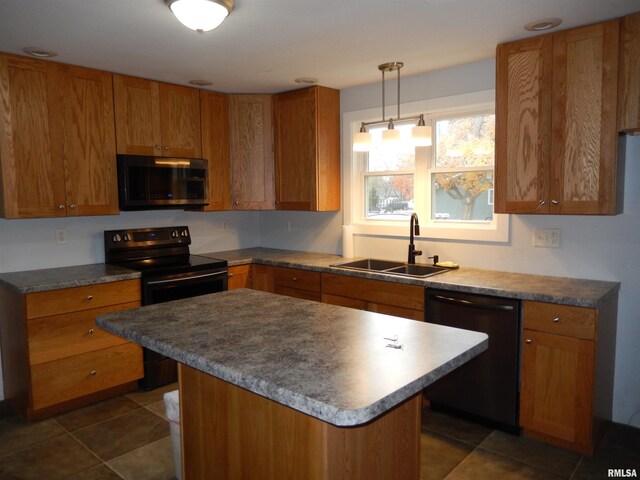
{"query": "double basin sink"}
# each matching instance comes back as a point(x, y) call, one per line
point(393, 268)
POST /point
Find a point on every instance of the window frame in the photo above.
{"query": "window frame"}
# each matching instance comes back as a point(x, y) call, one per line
point(354, 166)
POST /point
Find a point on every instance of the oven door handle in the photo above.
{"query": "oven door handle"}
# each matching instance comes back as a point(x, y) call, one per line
point(185, 279)
point(470, 304)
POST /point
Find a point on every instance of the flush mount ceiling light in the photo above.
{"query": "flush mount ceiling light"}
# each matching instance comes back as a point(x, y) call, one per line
point(543, 24)
point(39, 52)
point(200, 83)
point(421, 133)
point(306, 80)
point(201, 15)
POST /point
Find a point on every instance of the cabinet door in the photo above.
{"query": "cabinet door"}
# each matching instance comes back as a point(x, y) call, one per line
point(32, 176)
point(557, 386)
point(251, 146)
point(239, 277)
point(262, 278)
point(214, 111)
point(180, 121)
point(83, 126)
point(584, 142)
point(523, 130)
point(629, 98)
point(137, 109)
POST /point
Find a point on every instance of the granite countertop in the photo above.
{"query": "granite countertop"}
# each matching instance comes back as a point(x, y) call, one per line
point(32, 281)
point(568, 291)
point(323, 360)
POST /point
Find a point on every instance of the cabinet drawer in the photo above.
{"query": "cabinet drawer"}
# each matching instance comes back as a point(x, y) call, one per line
point(296, 278)
point(60, 336)
point(55, 302)
point(72, 377)
point(579, 322)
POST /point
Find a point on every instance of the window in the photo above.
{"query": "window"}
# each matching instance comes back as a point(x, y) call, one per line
point(449, 185)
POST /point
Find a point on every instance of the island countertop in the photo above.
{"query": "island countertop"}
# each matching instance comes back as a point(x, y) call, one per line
point(323, 360)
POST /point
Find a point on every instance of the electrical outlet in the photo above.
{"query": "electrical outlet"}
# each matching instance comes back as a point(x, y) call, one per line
point(546, 237)
point(225, 226)
point(287, 226)
point(61, 236)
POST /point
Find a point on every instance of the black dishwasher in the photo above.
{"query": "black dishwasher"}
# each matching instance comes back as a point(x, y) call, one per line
point(486, 389)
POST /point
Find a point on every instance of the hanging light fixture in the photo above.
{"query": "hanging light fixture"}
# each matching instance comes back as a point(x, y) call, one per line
point(201, 15)
point(421, 133)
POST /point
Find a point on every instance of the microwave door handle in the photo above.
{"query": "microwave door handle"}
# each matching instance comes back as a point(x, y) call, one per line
point(469, 304)
point(185, 279)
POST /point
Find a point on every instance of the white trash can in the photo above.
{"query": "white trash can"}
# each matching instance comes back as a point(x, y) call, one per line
point(172, 408)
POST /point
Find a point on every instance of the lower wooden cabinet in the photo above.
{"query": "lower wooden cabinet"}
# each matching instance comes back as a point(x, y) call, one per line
point(54, 356)
point(390, 298)
point(566, 389)
point(239, 277)
point(293, 282)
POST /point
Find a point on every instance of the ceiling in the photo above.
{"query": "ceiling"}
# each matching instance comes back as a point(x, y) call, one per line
point(264, 44)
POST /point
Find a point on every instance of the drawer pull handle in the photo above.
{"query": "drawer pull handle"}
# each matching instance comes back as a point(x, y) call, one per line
point(230, 275)
point(295, 279)
point(555, 202)
point(91, 331)
point(528, 340)
point(556, 320)
point(89, 297)
point(542, 202)
point(93, 373)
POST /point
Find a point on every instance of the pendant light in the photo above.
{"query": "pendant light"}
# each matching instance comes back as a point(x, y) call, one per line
point(200, 15)
point(421, 133)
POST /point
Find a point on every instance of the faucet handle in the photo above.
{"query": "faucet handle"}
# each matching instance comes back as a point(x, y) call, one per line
point(417, 253)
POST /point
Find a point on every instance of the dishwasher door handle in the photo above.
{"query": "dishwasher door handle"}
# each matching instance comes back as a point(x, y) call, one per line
point(470, 304)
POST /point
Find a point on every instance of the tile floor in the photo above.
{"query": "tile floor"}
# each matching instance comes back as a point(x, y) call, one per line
point(128, 438)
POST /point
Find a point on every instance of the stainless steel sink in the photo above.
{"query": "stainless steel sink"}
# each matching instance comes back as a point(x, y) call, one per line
point(393, 268)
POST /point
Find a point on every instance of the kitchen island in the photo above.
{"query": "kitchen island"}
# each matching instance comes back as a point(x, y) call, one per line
point(277, 387)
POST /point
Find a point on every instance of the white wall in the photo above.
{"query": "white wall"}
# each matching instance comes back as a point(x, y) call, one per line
point(603, 248)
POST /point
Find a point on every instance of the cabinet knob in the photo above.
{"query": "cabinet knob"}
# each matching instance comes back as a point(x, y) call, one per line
point(542, 202)
point(556, 320)
point(230, 275)
point(89, 297)
point(73, 205)
point(93, 373)
point(166, 147)
point(528, 340)
point(158, 147)
point(236, 203)
point(555, 202)
point(61, 207)
point(91, 331)
point(295, 279)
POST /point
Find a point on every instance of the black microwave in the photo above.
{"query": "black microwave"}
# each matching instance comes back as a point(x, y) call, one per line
point(146, 183)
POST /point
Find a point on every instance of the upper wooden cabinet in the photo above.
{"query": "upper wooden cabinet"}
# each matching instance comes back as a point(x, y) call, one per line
point(154, 118)
point(629, 105)
point(251, 150)
point(556, 135)
point(214, 117)
point(307, 149)
point(57, 144)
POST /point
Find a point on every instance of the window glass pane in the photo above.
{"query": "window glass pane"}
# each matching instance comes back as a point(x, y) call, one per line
point(465, 141)
point(389, 197)
point(462, 196)
point(384, 158)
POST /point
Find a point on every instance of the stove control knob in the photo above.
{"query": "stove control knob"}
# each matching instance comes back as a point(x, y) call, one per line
point(185, 233)
point(174, 234)
point(116, 238)
point(126, 237)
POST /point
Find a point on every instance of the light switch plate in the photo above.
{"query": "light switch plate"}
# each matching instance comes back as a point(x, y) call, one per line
point(546, 237)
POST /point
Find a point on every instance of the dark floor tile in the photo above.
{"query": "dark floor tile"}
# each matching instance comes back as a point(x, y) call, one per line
point(5, 410)
point(151, 462)
point(52, 459)
point(534, 453)
point(483, 465)
point(607, 457)
point(623, 436)
point(15, 433)
point(124, 433)
point(145, 398)
point(439, 455)
point(453, 427)
point(98, 412)
point(101, 472)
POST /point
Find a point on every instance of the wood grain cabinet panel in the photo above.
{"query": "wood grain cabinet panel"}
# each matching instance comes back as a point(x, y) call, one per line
point(629, 104)
point(568, 356)
point(214, 118)
point(251, 150)
point(307, 149)
point(556, 135)
point(293, 282)
point(239, 277)
point(158, 119)
point(55, 359)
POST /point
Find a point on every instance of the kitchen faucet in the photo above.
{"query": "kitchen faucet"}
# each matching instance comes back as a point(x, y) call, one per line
point(414, 228)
